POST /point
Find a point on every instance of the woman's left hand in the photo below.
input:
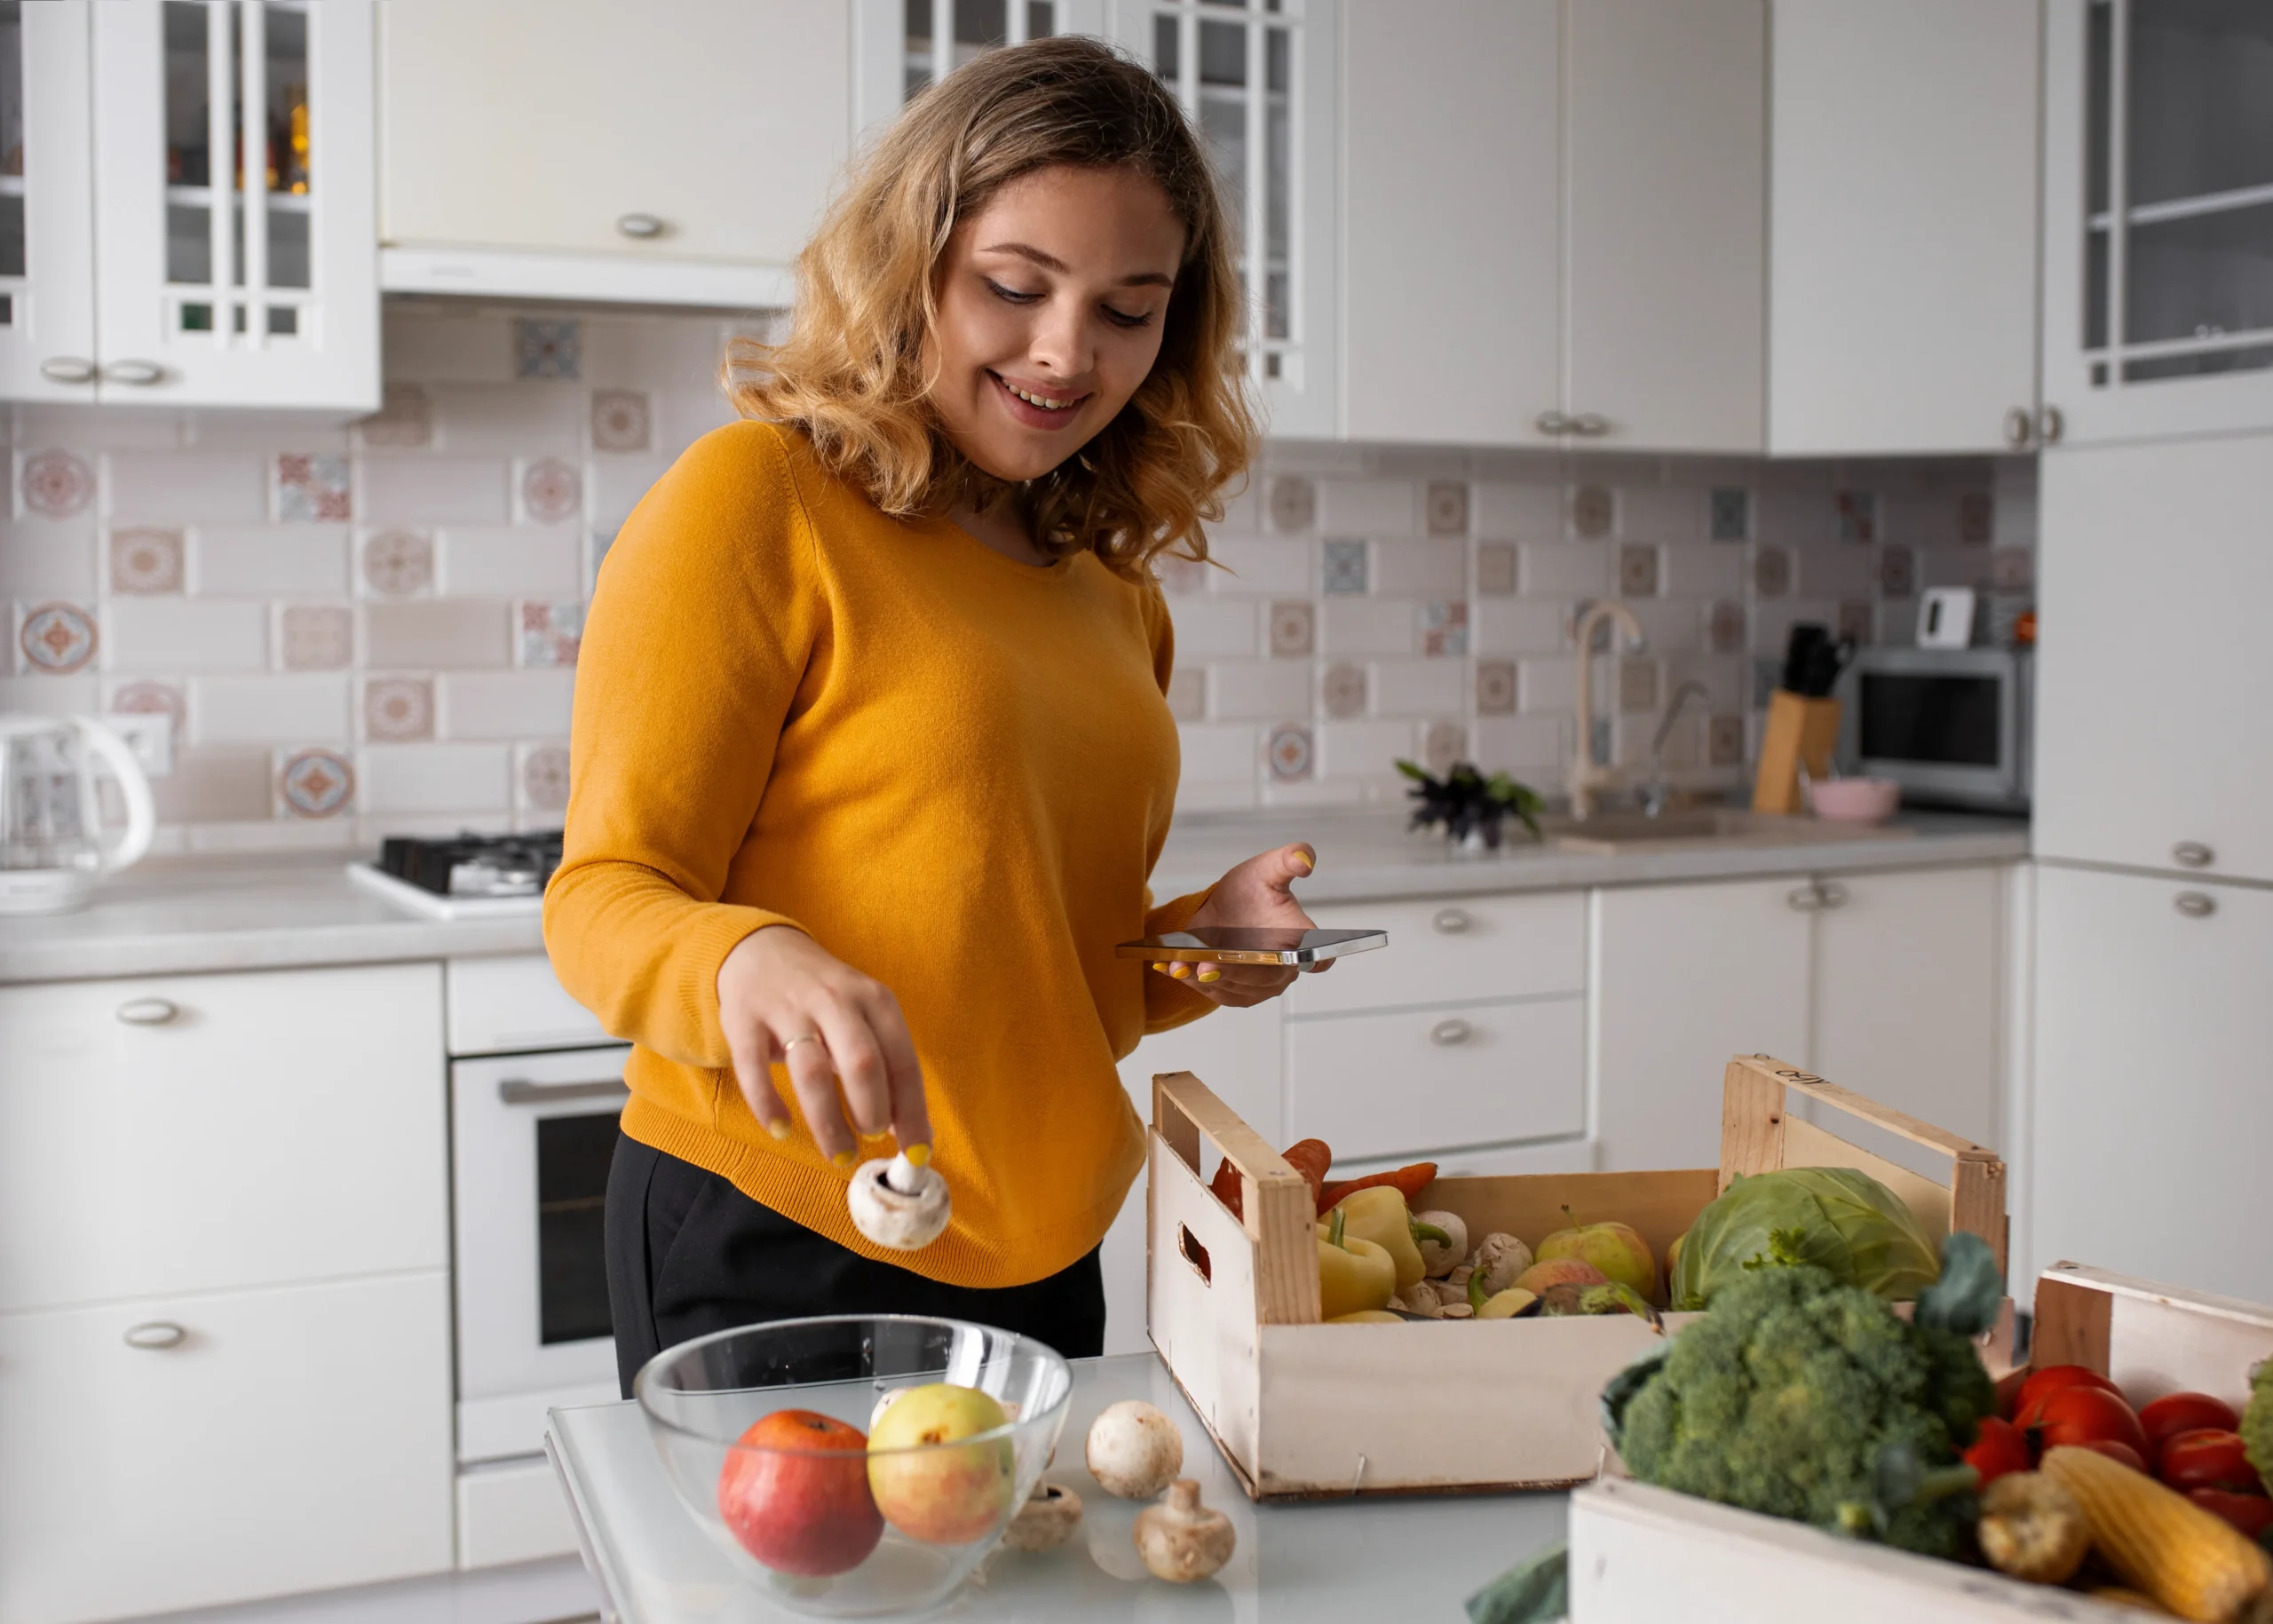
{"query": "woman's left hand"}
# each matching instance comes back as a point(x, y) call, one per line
point(1254, 893)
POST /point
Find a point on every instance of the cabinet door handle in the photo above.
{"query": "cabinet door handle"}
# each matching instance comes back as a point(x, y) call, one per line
point(1831, 893)
point(1806, 900)
point(520, 1092)
point(141, 374)
point(639, 227)
point(149, 1012)
point(156, 1334)
point(1552, 423)
point(1593, 425)
point(1451, 921)
point(2195, 904)
point(2019, 424)
point(67, 369)
point(2193, 854)
point(1451, 1033)
point(2053, 425)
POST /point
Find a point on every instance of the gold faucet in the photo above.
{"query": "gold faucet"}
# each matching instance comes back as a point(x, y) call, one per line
point(1588, 776)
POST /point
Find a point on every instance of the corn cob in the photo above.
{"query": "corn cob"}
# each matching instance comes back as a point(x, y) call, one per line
point(2191, 1562)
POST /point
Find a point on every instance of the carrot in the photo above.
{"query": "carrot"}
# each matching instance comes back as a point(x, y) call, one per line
point(1309, 1157)
point(1225, 1185)
point(1407, 1181)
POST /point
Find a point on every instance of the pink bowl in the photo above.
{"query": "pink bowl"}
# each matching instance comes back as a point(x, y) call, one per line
point(1855, 800)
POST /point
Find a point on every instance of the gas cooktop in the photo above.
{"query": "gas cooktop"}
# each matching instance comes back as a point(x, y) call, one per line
point(462, 876)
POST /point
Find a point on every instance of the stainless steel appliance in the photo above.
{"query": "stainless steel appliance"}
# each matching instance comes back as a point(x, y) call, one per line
point(1952, 726)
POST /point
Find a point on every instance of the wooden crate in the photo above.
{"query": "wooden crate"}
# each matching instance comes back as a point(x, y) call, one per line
point(1639, 1553)
point(1303, 1409)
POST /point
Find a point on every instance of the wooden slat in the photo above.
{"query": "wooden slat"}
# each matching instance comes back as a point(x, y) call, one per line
point(2072, 1322)
point(1277, 1211)
point(1896, 1122)
point(1661, 1206)
point(1807, 1145)
point(1978, 1203)
point(1752, 1120)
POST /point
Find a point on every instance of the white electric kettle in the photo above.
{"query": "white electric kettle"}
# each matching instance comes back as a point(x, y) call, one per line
point(51, 844)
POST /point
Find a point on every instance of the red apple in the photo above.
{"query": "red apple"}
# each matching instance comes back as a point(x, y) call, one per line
point(796, 1493)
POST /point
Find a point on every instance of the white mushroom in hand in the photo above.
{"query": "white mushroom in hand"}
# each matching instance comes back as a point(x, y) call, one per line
point(899, 1203)
point(1133, 1450)
point(1181, 1540)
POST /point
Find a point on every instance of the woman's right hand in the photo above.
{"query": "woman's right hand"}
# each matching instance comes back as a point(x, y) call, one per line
point(779, 986)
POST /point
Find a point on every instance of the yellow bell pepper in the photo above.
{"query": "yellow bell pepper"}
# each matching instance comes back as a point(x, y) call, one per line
point(1353, 1274)
point(1379, 1215)
point(1367, 1316)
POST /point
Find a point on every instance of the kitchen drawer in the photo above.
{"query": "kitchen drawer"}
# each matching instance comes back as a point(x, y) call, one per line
point(172, 1134)
point(1451, 952)
point(1392, 1083)
point(513, 1512)
point(295, 1440)
point(504, 1005)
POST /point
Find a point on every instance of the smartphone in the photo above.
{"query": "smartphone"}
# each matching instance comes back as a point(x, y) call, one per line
point(1252, 945)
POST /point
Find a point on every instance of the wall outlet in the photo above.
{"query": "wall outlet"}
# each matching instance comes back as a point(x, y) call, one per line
point(150, 735)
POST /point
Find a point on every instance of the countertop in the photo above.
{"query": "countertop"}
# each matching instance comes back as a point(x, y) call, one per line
point(174, 915)
point(1376, 1557)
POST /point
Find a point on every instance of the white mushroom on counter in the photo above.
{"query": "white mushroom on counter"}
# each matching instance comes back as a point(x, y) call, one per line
point(899, 1203)
point(1046, 1521)
point(1181, 1540)
point(1133, 1450)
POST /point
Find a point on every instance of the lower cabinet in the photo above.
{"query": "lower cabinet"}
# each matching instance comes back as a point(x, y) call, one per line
point(190, 1452)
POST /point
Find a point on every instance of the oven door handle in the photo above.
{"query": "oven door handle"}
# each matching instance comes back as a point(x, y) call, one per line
point(520, 1092)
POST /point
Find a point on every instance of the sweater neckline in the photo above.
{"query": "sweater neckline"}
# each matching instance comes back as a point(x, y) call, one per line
point(1057, 569)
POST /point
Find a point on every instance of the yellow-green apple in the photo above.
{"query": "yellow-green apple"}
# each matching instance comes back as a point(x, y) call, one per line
point(1617, 1249)
point(931, 1486)
point(795, 1492)
point(1557, 1271)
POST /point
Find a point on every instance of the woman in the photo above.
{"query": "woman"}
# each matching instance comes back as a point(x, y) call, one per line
point(871, 757)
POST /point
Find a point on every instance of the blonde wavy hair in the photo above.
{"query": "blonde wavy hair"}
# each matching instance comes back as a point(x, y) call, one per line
point(851, 375)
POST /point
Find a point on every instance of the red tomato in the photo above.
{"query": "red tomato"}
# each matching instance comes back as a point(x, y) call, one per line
point(2041, 1384)
point(2080, 1414)
point(2208, 1458)
point(2176, 1413)
point(2114, 1451)
point(2253, 1514)
point(1998, 1447)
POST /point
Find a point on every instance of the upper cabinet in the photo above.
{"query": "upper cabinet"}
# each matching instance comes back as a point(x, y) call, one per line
point(2158, 216)
point(211, 245)
point(900, 47)
point(1553, 222)
point(1902, 244)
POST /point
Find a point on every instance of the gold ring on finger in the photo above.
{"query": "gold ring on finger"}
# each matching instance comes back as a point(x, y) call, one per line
point(808, 1037)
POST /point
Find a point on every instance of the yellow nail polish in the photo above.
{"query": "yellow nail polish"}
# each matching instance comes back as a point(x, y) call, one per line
point(919, 1154)
point(778, 1127)
point(1211, 975)
point(842, 1159)
point(1160, 967)
point(1179, 970)
point(1305, 862)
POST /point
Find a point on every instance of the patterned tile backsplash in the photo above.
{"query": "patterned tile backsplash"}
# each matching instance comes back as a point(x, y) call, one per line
point(373, 628)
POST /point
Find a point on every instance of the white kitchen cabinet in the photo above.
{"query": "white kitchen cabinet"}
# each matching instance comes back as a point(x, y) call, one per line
point(588, 149)
point(1901, 281)
point(1451, 950)
point(2153, 669)
point(189, 1452)
point(47, 203)
point(206, 1133)
point(902, 47)
point(2150, 1111)
point(2158, 218)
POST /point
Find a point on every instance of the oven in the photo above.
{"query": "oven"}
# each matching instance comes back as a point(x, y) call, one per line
point(1951, 725)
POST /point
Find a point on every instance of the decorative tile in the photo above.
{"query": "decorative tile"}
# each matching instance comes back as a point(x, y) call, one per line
point(551, 491)
point(1638, 570)
point(551, 633)
point(1444, 628)
point(1767, 676)
point(1179, 576)
point(1290, 753)
point(1898, 572)
point(1592, 511)
point(2012, 569)
point(1448, 508)
point(1294, 628)
point(315, 783)
point(1724, 741)
point(1637, 685)
point(57, 485)
point(1495, 687)
point(546, 349)
point(1345, 569)
point(544, 777)
point(398, 708)
point(1731, 513)
point(1294, 503)
point(621, 420)
point(1495, 569)
point(1858, 516)
point(1855, 620)
point(1771, 572)
point(146, 561)
point(58, 638)
point(1187, 693)
point(1976, 518)
point(1442, 746)
point(399, 563)
point(151, 698)
point(316, 637)
point(405, 418)
point(1724, 628)
point(1343, 690)
point(313, 487)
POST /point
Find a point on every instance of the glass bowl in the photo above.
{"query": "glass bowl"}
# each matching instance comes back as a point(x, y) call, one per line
point(819, 1523)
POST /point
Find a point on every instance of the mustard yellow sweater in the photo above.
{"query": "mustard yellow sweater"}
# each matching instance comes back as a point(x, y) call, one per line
point(952, 770)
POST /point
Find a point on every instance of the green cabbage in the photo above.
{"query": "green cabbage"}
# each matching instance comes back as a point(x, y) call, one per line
point(1835, 1218)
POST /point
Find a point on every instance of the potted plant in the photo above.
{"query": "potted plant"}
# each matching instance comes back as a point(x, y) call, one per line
point(1470, 806)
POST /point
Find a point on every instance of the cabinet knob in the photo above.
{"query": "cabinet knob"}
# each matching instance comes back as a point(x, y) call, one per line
point(1553, 422)
point(67, 369)
point(155, 1335)
point(1592, 425)
point(639, 227)
point(141, 374)
point(1831, 893)
point(2193, 854)
point(1451, 1033)
point(1806, 900)
point(2052, 426)
point(2195, 904)
point(1451, 921)
point(148, 1011)
point(2020, 423)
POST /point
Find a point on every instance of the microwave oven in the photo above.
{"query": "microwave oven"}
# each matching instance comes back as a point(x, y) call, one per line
point(1952, 726)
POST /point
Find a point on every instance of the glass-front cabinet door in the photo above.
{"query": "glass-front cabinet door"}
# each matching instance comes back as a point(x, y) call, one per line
point(2159, 217)
point(47, 263)
point(906, 46)
point(235, 227)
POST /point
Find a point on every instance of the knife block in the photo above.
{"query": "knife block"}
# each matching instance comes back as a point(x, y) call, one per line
point(1799, 731)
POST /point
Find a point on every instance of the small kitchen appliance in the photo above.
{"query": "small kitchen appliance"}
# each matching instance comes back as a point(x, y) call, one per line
point(464, 876)
point(1952, 726)
point(52, 847)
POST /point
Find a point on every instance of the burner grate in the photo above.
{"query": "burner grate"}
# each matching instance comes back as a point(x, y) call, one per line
point(473, 865)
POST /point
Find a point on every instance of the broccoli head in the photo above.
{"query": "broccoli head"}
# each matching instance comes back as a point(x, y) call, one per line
point(2257, 1422)
point(1803, 1398)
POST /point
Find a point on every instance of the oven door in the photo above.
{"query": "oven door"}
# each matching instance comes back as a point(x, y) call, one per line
point(531, 1138)
point(1948, 725)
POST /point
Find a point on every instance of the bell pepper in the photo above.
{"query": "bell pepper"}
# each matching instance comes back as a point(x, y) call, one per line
point(1379, 1215)
point(1353, 1274)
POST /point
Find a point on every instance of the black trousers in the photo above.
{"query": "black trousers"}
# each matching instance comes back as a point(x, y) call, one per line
point(688, 1254)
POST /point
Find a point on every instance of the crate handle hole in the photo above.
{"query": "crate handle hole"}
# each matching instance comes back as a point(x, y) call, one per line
point(1194, 1254)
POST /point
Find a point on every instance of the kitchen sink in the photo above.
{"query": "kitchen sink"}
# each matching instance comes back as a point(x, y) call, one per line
point(1608, 834)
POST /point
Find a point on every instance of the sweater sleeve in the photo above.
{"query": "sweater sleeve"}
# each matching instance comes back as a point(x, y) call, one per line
point(697, 639)
point(1168, 1004)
